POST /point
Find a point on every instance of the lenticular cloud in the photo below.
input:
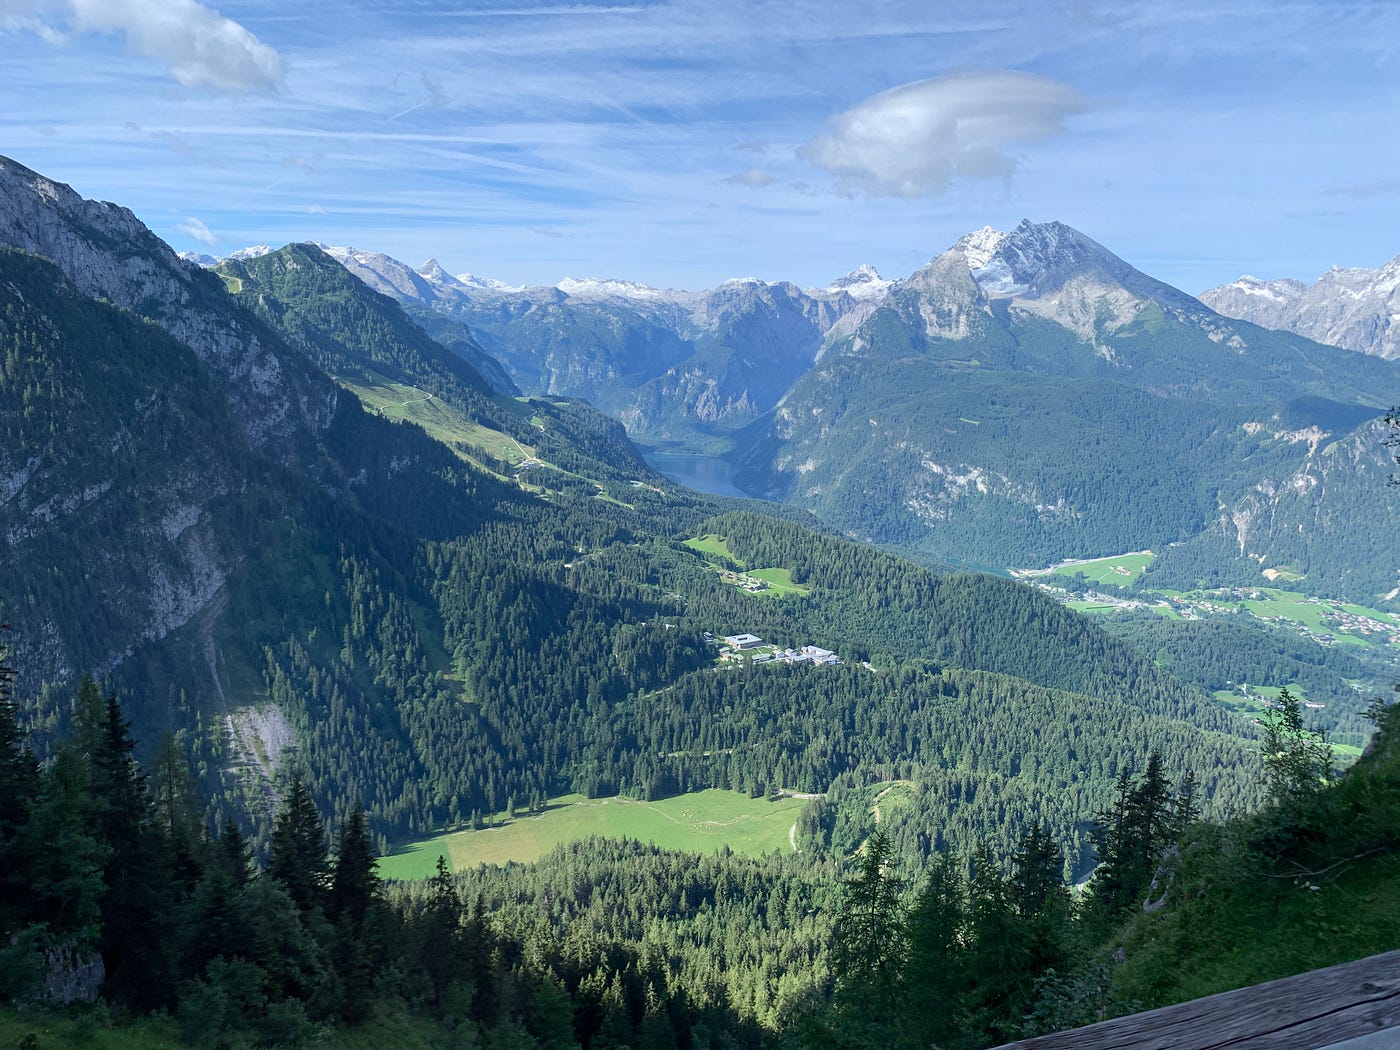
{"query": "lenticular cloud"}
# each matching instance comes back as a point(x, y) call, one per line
point(912, 140)
point(202, 48)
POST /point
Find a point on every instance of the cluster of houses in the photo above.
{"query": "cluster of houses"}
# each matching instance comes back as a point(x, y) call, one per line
point(1268, 701)
point(752, 584)
point(751, 647)
point(1366, 626)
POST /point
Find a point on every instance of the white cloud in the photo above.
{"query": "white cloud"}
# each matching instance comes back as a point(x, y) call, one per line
point(754, 179)
point(203, 48)
point(912, 140)
point(29, 16)
point(192, 227)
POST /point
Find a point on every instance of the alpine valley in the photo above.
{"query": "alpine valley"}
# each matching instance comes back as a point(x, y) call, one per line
point(375, 545)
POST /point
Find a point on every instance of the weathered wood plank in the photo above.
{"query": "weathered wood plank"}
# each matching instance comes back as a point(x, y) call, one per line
point(1306, 1012)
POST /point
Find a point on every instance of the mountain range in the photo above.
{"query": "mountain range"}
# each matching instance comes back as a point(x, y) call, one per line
point(1354, 308)
point(1024, 397)
point(291, 529)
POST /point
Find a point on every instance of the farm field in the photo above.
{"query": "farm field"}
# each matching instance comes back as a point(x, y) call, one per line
point(1346, 623)
point(1120, 569)
point(702, 821)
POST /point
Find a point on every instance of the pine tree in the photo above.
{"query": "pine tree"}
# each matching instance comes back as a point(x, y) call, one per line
point(298, 859)
point(354, 897)
point(439, 932)
point(137, 907)
point(1041, 901)
point(870, 930)
point(19, 786)
point(934, 977)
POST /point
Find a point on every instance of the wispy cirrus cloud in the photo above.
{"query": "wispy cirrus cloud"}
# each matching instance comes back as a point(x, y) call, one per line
point(202, 48)
point(754, 179)
point(913, 140)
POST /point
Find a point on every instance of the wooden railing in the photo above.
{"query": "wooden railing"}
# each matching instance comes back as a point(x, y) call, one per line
point(1308, 1012)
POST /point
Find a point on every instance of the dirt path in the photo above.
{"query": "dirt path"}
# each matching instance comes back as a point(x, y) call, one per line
point(792, 836)
point(875, 805)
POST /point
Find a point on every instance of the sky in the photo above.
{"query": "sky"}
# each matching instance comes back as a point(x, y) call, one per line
point(683, 143)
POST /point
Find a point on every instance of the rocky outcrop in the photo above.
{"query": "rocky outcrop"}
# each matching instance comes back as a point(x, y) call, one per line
point(1357, 309)
point(109, 254)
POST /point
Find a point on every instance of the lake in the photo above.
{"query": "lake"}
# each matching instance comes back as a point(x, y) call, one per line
point(702, 473)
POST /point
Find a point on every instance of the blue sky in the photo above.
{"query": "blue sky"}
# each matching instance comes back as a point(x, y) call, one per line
point(683, 143)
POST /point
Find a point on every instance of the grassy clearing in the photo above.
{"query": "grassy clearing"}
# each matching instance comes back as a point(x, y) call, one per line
point(716, 546)
point(1120, 569)
point(1091, 607)
point(399, 401)
point(701, 822)
point(417, 860)
point(779, 582)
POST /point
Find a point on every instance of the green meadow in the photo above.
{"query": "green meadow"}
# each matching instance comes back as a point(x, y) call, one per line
point(699, 822)
point(1120, 569)
point(401, 402)
point(717, 546)
point(779, 580)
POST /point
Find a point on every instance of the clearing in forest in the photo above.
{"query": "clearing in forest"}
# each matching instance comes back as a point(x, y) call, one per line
point(702, 821)
point(772, 583)
point(1119, 569)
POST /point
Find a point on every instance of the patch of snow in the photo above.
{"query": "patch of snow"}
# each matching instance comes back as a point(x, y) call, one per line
point(592, 288)
point(979, 246)
point(863, 284)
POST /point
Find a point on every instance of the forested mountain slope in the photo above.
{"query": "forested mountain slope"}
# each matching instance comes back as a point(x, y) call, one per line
point(1028, 396)
point(432, 632)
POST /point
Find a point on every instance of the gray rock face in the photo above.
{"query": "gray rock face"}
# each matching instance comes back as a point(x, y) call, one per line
point(659, 359)
point(117, 478)
point(1357, 309)
point(109, 254)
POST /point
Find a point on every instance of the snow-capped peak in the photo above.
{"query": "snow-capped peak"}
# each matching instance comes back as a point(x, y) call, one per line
point(864, 282)
point(432, 271)
point(610, 288)
point(1283, 290)
point(979, 246)
point(256, 251)
point(489, 284)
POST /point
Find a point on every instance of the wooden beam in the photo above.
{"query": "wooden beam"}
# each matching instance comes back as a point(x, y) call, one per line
point(1308, 1012)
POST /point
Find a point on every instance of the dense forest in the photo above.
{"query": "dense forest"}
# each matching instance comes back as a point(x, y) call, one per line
point(115, 886)
point(315, 633)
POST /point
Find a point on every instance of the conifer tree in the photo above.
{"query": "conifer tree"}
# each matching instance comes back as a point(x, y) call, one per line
point(298, 859)
point(19, 785)
point(136, 905)
point(934, 975)
point(354, 895)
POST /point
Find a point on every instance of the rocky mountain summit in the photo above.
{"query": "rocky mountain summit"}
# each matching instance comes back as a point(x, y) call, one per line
point(1358, 309)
